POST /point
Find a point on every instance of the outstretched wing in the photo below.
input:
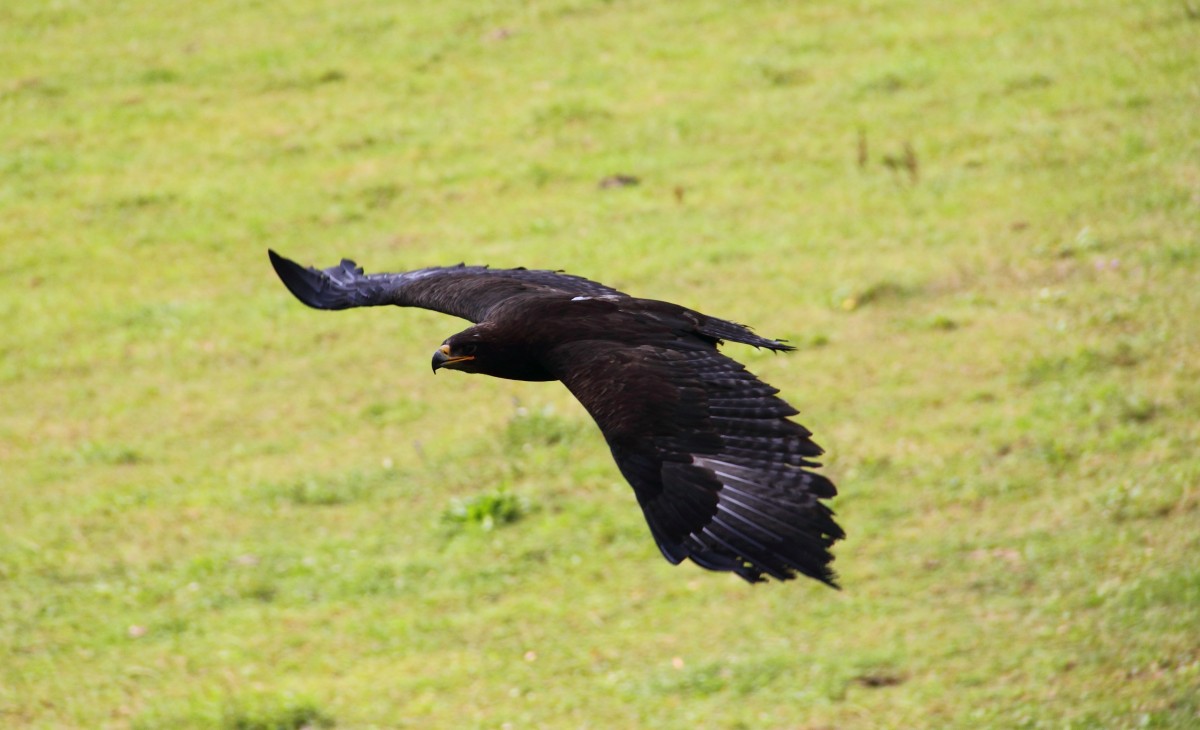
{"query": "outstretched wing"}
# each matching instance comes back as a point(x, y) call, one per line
point(722, 475)
point(463, 291)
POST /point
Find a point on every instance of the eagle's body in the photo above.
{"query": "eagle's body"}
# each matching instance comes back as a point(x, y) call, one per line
point(720, 472)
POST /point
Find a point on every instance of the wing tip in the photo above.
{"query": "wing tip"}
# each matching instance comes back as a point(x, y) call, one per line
point(755, 572)
point(277, 261)
point(305, 284)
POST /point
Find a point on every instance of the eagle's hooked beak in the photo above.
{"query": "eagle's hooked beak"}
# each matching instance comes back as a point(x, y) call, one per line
point(442, 358)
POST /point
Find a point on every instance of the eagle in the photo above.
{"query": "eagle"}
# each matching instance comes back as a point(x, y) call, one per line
point(723, 476)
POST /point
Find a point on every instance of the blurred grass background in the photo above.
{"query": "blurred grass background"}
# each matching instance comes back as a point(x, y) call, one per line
point(978, 221)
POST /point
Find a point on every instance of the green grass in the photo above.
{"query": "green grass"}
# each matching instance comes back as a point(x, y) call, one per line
point(979, 222)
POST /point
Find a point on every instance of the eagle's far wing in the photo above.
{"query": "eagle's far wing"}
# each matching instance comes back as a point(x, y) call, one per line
point(720, 472)
point(463, 291)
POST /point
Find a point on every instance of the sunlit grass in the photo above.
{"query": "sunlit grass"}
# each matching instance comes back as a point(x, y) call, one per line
point(977, 223)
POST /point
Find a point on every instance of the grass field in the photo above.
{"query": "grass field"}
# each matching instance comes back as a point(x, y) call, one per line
point(979, 222)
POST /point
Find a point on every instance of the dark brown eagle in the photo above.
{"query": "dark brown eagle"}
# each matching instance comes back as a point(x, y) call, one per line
point(718, 469)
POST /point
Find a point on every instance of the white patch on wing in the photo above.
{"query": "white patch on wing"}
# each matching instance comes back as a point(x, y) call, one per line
point(580, 299)
point(420, 273)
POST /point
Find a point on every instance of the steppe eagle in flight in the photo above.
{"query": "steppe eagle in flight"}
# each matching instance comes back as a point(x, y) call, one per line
point(723, 476)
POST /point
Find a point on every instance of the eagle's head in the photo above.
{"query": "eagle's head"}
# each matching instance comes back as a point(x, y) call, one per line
point(486, 352)
point(457, 356)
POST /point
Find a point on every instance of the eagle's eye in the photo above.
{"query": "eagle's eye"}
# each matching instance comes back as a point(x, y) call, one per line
point(467, 349)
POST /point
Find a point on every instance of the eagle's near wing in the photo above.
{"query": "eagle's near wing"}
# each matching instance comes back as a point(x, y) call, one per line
point(718, 469)
point(463, 291)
